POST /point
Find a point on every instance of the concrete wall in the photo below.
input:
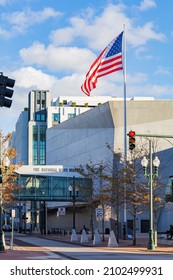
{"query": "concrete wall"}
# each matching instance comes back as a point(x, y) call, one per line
point(65, 222)
point(20, 139)
point(81, 139)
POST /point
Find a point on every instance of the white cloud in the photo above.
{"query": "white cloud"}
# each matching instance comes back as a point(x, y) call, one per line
point(137, 78)
point(57, 59)
point(139, 36)
point(28, 77)
point(5, 33)
point(162, 71)
point(63, 36)
point(86, 27)
point(147, 4)
point(65, 59)
point(75, 62)
point(3, 2)
point(154, 90)
point(20, 21)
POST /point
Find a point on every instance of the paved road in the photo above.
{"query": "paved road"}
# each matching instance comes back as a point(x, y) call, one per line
point(33, 247)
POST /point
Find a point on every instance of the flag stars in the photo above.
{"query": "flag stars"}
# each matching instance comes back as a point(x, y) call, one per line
point(114, 47)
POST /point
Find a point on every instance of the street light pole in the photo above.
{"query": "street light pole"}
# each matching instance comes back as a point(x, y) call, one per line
point(156, 163)
point(73, 193)
point(74, 201)
point(151, 245)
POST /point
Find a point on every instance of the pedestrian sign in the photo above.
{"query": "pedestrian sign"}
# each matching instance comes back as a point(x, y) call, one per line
point(61, 211)
point(13, 213)
point(99, 213)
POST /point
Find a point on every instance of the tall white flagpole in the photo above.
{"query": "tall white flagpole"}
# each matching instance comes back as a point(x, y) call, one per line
point(125, 115)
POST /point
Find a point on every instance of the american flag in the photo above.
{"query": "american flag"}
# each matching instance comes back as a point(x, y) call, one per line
point(109, 61)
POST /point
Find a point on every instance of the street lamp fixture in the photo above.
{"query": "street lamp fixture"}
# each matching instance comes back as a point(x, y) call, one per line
point(151, 175)
point(74, 192)
point(144, 163)
point(156, 164)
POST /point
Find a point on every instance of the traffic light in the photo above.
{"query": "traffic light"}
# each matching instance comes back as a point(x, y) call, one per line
point(5, 91)
point(131, 135)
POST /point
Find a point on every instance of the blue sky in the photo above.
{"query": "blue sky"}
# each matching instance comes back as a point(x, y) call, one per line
point(51, 45)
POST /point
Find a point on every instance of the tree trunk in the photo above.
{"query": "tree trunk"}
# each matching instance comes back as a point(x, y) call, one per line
point(134, 229)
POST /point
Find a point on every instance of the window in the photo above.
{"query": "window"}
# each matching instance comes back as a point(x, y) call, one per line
point(42, 145)
point(145, 226)
point(40, 116)
point(40, 100)
point(71, 116)
point(35, 145)
point(37, 117)
point(38, 97)
point(43, 100)
point(130, 225)
point(43, 117)
point(55, 118)
point(39, 145)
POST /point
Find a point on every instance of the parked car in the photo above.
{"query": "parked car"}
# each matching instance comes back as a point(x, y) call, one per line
point(6, 228)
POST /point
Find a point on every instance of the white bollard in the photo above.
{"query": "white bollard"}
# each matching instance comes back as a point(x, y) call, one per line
point(74, 235)
point(112, 242)
point(97, 238)
point(84, 237)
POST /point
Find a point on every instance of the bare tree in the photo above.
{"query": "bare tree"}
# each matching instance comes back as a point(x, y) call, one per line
point(101, 194)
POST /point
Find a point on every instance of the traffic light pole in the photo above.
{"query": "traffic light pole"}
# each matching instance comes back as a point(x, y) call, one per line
point(154, 135)
point(151, 245)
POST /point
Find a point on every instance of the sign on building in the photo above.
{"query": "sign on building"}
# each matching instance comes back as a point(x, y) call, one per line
point(13, 213)
point(99, 213)
point(61, 211)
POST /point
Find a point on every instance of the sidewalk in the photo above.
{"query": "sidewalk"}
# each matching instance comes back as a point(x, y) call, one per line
point(142, 244)
point(24, 250)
